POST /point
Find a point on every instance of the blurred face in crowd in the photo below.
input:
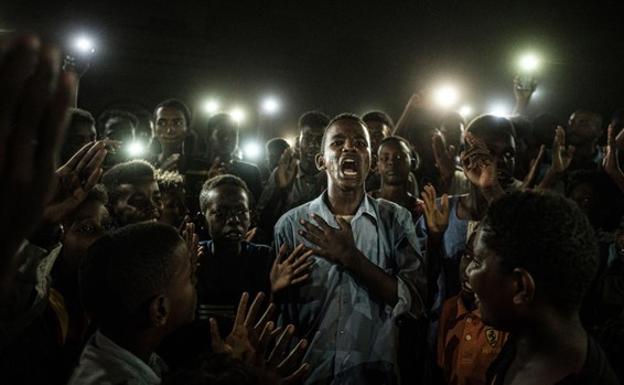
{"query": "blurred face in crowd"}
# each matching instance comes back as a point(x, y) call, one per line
point(274, 153)
point(136, 202)
point(309, 146)
point(84, 226)
point(393, 163)
point(77, 136)
point(180, 292)
point(492, 285)
point(503, 150)
point(452, 128)
point(582, 128)
point(346, 155)
point(174, 207)
point(171, 126)
point(225, 140)
point(227, 214)
point(377, 131)
point(117, 128)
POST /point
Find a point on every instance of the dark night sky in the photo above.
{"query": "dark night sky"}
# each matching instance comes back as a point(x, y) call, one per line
point(336, 56)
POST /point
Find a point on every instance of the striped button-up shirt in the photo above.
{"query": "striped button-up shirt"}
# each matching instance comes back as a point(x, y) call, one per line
point(352, 333)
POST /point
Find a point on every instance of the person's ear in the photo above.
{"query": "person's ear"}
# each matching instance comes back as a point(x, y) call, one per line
point(159, 309)
point(319, 160)
point(524, 287)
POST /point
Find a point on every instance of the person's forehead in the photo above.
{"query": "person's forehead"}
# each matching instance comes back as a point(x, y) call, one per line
point(347, 127)
point(227, 195)
point(169, 113)
point(312, 131)
point(147, 185)
point(393, 147)
point(377, 126)
point(500, 141)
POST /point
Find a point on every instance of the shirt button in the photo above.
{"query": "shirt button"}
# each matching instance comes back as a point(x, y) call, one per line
point(469, 319)
point(468, 337)
point(342, 332)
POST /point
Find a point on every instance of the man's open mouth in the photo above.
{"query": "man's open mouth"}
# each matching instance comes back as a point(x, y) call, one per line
point(349, 167)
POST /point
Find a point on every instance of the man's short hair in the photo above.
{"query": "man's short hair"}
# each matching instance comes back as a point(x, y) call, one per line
point(115, 114)
point(491, 125)
point(169, 181)
point(313, 119)
point(130, 172)
point(276, 143)
point(221, 180)
point(178, 105)
point(78, 116)
point(378, 116)
point(124, 269)
point(550, 237)
point(344, 116)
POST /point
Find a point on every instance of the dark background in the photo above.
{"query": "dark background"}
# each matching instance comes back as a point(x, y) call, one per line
point(335, 56)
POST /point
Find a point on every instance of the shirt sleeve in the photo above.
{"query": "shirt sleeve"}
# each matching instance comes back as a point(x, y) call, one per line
point(412, 274)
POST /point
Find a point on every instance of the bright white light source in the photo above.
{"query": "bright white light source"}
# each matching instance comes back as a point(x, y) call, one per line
point(465, 111)
point(252, 150)
point(529, 62)
point(446, 96)
point(135, 149)
point(211, 106)
point(500, 109)
point(84, 44)
point(270, 106)
point(237, 114)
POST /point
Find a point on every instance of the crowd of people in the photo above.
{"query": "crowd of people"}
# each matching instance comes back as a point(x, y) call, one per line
point(429, 250)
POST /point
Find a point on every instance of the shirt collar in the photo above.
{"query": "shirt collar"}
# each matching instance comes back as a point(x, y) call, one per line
point(368, 207)
point(463, 311)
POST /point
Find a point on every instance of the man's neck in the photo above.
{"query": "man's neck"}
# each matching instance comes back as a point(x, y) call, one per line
point(344, 202)
point(395, 193)
point(141, 344)
point(227, 249)
point(561, 341)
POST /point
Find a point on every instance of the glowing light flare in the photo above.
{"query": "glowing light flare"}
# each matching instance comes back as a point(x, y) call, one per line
point(270, 106)
point(135, 149)
point(446, 96)
point(238, 115)
point(529, 62)
point(465, 111)
point(500, 109)
point(84, 44)
point(211, 106)
point(252, 150)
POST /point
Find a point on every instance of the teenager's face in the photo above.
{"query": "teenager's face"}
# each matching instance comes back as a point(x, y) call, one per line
point(377, 131)
point(227, 214)
point(393, 163)
point(85, 225)
point(171, 126)
point(181, 290)
point(346, 156)
point(310, 145)
point(492, 286)
point(224, 140)
point(137, 202)
point(174, 208)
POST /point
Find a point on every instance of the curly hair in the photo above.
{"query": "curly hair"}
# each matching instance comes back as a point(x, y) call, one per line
point(169, 181)
point(378, 116)
point(344, 116)
point(550, 237)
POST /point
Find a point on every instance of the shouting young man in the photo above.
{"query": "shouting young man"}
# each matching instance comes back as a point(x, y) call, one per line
point(367, 268)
